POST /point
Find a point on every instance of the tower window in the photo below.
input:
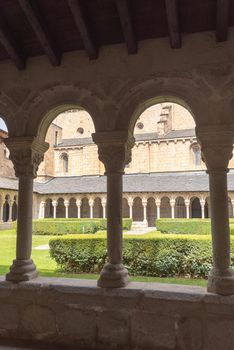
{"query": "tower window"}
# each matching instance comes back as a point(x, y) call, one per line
point(64, 159)
point(140, 126)
point(197, 154)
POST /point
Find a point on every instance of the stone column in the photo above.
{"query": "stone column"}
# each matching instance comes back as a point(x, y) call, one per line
point(172, 204)
point(130, 204)
point(26, 154)
point(42, 210)
point(54, 204)
point(104, 207)
point(78, 203)
point(10, 202)
point(91, 205)
point(158, 203)
point(66, 204)
point(187, 205)
point(216, 146)
point(144, 203)
point(202, 203)
point(114, 149)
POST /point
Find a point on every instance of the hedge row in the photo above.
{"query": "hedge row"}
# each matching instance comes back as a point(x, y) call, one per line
point(69, 226)
point(187, 226)
point(162, 255)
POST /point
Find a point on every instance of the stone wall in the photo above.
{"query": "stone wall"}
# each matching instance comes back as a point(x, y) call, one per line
point(140, 316)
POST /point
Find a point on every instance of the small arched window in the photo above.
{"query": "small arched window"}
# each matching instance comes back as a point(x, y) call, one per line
point(196, 154)
point(64, 159)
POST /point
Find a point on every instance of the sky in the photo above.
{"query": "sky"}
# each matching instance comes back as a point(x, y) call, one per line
point(2, 125)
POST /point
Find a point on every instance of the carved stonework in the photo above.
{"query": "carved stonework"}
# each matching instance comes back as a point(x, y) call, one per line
point(26, 154)
point(114, 149)
point(216, 145)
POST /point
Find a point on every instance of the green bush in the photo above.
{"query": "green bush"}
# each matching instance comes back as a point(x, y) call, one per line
point(188, 226)
point(184, 226)
point(72, 226)
point(162, 255)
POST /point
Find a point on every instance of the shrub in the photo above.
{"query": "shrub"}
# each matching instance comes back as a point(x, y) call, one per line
point(72, 226)
point(160, 255)
point(188, 226)
point(184, 226)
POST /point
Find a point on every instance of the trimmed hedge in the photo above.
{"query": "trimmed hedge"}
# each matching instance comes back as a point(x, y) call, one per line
point(159, 255)
point(187, 226)
point(72, 226)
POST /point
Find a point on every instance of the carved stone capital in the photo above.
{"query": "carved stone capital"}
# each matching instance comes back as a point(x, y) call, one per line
point(216, 146)
point(26, 154)
point(114, 149)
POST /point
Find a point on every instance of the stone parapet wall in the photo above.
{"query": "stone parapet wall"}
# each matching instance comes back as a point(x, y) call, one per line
point(141, 316)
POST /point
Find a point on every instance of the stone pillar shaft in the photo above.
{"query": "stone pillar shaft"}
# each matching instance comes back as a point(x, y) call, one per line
point(10, 211)
point(114, 217)
point(114, 151)
point(26, 154)
point(217, 146)
point(220, 220)
point(1, 212)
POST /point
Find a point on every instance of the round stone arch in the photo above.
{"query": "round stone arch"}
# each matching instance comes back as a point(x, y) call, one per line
point(47, 103)
point(181, 91)
point(9, 110)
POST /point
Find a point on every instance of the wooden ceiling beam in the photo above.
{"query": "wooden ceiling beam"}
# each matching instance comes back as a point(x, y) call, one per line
point(83, 28)
point(127, 27)
point(222, 20)
point(41, 32)
point(173, 23)
point(10, 46)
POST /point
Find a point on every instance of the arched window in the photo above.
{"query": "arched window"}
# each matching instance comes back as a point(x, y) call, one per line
point(64, 159)
point(196, 154)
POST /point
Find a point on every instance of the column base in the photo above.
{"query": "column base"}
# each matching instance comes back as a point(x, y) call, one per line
point(113, 276)
point(22, 270)
point(221, 282)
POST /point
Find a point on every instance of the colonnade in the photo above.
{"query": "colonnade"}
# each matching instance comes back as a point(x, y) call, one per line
point(114, 148)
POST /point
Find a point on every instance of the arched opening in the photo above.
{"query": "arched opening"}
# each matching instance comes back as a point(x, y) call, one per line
point(180, 208)
point(125, 208)
point(165, 208)
point(48, 208)
point(195, 208)
point(6, 209)
point(64, 163)
point(72, 209)
point(85, 208)
point(151, 212)
point(97, 208)
point(14, 209)
point(60, 209)
point(137, 210)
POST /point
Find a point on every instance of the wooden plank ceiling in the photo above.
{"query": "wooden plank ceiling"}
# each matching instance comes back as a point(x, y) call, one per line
point(31, 28)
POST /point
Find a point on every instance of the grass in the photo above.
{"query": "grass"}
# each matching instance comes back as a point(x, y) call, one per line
point(47, 267)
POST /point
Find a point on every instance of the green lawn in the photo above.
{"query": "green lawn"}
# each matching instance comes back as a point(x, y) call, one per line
point(48, 267)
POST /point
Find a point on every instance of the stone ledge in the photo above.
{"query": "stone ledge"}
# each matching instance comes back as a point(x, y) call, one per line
point(140, 316)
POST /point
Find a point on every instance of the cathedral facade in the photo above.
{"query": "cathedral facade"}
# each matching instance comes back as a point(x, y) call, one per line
point(71, 181)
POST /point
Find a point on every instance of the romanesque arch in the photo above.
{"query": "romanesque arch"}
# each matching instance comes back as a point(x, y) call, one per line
point(165, 208)
point(125, 208)
point(97, 208)
point(180, 209)
point(48, 208)
point(60, 210)
point(195, 208)
point(151, 211)
point(137, 210)
point(85, 208)
point(72, 209)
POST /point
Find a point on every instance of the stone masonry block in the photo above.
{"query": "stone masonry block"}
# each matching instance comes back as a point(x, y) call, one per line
point(9, 316)
point(189, 334)
point(113, 327)
point(151, 331)
point(39, 319)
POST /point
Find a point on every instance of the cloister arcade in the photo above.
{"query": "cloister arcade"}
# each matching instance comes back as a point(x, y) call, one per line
point(139, 207)
point(8, 206)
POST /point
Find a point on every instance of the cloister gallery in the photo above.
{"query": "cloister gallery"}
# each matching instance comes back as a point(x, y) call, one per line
point(45, 72)
point(71, 181)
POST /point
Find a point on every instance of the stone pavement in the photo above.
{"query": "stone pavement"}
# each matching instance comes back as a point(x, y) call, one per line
point(140, 231)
